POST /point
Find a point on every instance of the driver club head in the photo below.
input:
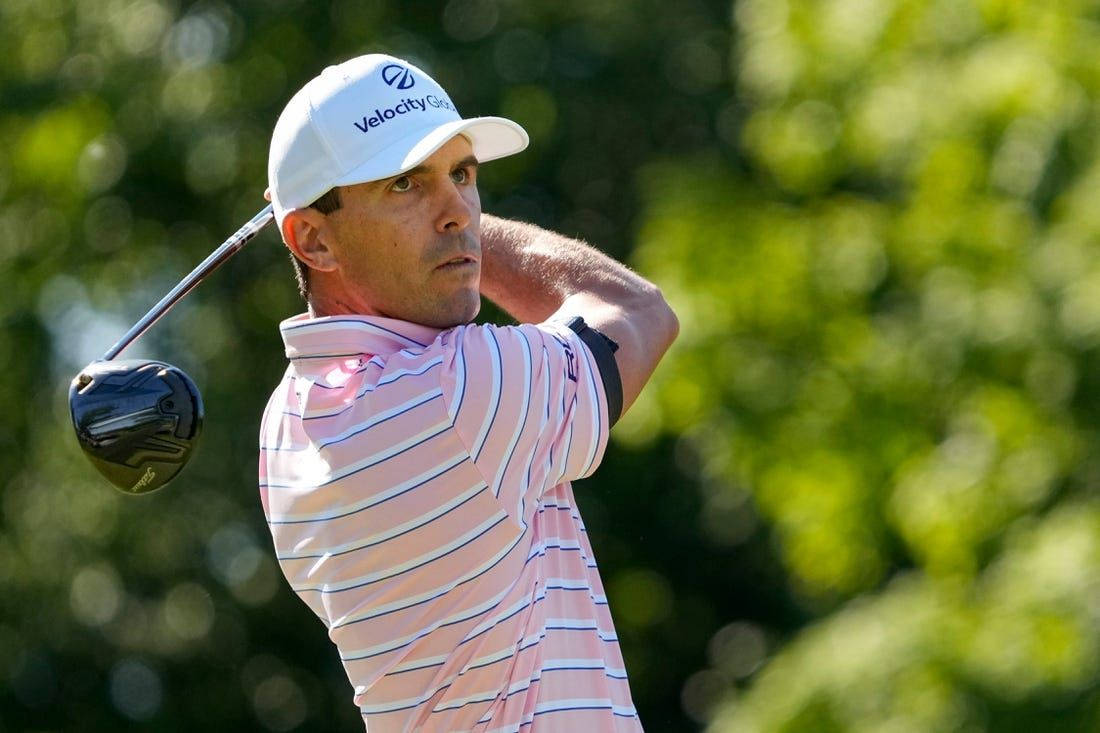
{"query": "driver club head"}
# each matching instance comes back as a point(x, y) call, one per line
point(137, 420)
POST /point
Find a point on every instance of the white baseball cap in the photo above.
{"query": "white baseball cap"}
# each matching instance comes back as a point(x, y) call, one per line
point(369, 118)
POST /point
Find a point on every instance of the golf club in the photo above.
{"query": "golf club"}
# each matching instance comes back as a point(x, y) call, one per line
point(138, 420)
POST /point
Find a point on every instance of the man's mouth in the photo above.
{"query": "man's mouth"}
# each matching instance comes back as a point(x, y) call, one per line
point(460, 261)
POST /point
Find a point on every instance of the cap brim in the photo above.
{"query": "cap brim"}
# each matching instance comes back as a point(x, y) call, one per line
point(490, 137)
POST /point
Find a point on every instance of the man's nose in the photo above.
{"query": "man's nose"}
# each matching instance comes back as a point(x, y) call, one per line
point(455, 210)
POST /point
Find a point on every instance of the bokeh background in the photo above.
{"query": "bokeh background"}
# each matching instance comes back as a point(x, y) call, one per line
point(861, 493)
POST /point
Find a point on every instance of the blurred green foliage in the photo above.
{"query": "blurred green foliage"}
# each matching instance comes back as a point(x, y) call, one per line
point(890, 321)
point(861, 493)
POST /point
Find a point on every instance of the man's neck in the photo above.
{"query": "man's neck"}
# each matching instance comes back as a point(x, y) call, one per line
point(320, 305)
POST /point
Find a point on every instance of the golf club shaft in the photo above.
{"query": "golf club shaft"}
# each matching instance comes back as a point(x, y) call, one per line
point(227, 249)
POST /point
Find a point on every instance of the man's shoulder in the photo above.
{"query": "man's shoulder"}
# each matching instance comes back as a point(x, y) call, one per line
point(337, 390)
point(495, 338)
point(464, 359)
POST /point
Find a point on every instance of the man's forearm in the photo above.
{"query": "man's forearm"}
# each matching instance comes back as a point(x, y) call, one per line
point(530, 272)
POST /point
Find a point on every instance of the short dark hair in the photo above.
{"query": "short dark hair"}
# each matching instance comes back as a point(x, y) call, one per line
point(328, 203)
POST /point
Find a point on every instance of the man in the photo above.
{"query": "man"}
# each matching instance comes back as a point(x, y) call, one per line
point(415, 468)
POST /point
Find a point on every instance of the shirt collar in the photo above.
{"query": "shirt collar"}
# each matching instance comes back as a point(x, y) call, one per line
point(345, 336)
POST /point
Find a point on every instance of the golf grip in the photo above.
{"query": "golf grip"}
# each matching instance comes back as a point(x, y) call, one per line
point(227, 249)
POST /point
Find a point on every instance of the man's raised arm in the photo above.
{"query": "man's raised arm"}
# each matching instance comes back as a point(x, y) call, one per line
point(534, 275)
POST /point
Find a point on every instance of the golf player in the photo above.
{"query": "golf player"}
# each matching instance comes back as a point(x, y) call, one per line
point(414, 466)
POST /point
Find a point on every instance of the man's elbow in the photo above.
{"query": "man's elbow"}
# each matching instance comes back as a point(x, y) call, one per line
point(664, 321)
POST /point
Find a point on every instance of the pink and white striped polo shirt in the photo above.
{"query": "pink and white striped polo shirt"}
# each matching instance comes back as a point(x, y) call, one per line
point(416, 483)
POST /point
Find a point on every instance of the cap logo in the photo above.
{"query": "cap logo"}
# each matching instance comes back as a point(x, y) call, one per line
point(404, 107)
point(397, 76)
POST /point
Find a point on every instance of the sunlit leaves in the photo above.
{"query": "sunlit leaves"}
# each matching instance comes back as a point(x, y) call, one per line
point(50, 146)
point(889, 316)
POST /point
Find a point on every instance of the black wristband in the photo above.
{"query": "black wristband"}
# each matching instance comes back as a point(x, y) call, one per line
point(603, 351)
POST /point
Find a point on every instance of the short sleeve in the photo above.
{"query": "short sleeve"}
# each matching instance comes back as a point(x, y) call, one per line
point(529, 403)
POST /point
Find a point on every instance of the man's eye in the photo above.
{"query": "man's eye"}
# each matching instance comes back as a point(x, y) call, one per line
point(404, 183)
point(460, 176)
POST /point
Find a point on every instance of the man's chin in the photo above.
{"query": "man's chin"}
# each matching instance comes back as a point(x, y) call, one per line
point(469, 314)
point(456, 316)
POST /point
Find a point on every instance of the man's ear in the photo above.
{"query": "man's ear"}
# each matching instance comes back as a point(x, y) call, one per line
point(306, 232)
